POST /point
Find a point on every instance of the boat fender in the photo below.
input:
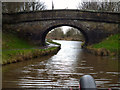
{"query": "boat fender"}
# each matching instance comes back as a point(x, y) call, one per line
point(87, 82)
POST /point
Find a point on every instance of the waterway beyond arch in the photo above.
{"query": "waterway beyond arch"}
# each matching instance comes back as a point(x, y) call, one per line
point(74, 25)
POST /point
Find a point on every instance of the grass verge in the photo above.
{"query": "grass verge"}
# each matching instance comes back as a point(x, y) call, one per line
point(15, 49)
point(13, 56)
point(12, 41)
point(110, 45)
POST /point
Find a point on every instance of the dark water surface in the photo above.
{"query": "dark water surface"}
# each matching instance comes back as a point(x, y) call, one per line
point(62, 70)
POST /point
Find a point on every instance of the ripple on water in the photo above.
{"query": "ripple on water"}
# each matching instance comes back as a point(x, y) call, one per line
point(62, 70)
point(84, 67)
point(116, 73)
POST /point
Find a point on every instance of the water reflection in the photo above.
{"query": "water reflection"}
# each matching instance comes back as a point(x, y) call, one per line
point(62, 70)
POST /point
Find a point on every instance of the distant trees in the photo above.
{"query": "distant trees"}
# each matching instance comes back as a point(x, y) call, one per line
point(56, 33)
point(74, 34)
point(11, 7)
point(71, 34)
point(8, 7)
point(34, 6)
point(100, 6)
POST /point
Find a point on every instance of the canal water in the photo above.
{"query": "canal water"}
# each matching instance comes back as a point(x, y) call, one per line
point(62, 70)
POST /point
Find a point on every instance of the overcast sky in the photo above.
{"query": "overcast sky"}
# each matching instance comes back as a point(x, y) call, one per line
point(68, 4)
point(62, 4)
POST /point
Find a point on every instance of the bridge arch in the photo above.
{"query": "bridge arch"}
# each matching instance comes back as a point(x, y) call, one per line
point(82, 29)
point(95, 26)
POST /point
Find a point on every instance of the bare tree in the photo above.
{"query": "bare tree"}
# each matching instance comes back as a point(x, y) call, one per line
point(35, 6)
point(100, 6)
point(9, 7)
point(56, 33)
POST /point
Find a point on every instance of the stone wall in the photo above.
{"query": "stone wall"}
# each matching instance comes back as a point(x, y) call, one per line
point(34, 26)
point(61, 14)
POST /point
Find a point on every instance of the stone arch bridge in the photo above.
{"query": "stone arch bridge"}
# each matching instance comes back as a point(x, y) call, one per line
point(34, 26)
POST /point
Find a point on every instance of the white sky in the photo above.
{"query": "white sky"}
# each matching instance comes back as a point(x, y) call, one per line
point(68, 4)
point(62, 4)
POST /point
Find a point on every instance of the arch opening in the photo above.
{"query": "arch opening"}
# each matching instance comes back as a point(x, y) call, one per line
point(83, 33)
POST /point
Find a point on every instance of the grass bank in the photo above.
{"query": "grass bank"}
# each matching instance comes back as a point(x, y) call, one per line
point(50, 41)
point(15, 49)
point(109, 46)
point(12, 41)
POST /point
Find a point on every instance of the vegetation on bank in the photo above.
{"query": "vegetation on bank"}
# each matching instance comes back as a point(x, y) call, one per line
point(12, 41)
point(109, 46)
point(71, 34)
point(51, 41)
point(13, 56)
point(15, 49)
